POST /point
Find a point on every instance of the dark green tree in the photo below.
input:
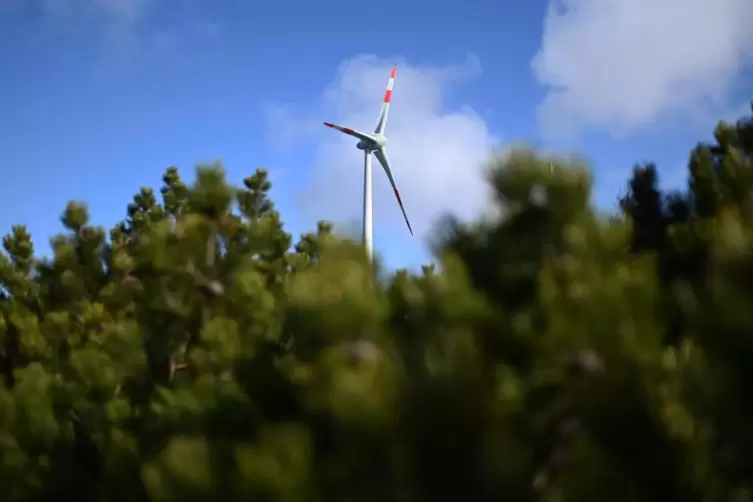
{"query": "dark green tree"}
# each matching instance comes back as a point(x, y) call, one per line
point(551, 352)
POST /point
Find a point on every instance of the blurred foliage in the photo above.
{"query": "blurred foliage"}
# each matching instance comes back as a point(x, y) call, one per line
point(553, 352)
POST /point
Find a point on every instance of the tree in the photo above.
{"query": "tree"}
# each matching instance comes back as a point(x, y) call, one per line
point(551, 353)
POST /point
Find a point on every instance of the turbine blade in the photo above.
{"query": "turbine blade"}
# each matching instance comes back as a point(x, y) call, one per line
point(382, 122)
point(350, 132)
point(381, 155)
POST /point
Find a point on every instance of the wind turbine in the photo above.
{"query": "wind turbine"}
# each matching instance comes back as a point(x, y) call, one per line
point(375, 143)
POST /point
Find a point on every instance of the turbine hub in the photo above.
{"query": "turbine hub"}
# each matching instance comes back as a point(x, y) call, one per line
point(380, 140)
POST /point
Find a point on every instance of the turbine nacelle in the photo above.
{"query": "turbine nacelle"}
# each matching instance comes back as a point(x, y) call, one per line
point(365, 145)
point(372, 142)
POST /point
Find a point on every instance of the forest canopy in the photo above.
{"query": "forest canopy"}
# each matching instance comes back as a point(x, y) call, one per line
point(195, 352)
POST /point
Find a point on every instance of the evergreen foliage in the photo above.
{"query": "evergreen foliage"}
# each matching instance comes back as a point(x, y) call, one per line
point(555, 352)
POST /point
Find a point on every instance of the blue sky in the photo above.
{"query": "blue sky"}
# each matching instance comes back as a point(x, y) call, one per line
point(98, 97)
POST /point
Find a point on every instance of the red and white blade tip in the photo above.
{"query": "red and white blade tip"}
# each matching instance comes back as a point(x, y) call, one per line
point(346, 130)
point(390, 84)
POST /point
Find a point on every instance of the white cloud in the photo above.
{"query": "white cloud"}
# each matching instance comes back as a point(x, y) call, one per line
point(437, 154)
point(623, 64)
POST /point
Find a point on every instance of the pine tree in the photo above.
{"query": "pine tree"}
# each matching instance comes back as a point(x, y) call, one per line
point(551, 352)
